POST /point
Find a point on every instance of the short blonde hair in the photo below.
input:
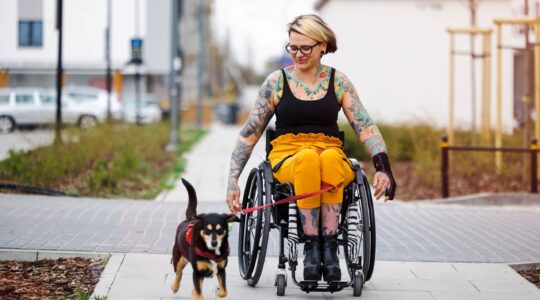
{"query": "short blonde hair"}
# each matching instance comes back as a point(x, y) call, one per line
point(315, 28)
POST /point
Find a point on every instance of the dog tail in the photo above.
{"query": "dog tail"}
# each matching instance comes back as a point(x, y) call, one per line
point(191, 211)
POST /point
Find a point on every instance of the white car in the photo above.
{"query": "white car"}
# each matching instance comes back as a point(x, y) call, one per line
point(25, 106)
point(149, 110)
point(95, 98)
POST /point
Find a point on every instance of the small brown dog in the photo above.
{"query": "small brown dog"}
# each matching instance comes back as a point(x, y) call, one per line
point(201, 240)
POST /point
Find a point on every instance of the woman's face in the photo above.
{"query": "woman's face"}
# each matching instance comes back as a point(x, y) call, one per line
point(305, 61)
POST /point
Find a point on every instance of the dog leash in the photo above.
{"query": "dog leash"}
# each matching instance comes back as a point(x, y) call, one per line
point(327, 187)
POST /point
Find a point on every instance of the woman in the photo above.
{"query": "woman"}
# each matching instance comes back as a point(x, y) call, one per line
point(306, 98)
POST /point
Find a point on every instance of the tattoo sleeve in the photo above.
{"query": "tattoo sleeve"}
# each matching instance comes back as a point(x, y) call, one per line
point(255, 124)
point(358, 117)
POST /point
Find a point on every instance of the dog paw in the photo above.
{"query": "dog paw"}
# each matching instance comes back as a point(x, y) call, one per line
point(175, 287)
point(221, 293)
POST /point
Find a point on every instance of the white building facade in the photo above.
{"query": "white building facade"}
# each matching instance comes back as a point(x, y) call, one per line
point(396, 52)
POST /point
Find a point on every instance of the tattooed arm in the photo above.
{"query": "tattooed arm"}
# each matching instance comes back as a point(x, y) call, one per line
point(251, 132)
point(364, 127)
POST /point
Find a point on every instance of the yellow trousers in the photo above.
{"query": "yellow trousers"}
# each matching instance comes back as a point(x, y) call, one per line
point(316, 158)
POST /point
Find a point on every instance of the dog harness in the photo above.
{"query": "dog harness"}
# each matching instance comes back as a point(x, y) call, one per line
point(200, 252)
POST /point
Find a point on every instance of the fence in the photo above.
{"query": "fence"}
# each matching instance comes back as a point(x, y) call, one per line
point(445, 148)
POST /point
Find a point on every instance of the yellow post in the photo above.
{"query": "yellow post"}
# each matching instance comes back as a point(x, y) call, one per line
point(498, 136)
point(486, 92)
point(537, 80)
point(451, 92)
point(4, 78)
point(117, 83)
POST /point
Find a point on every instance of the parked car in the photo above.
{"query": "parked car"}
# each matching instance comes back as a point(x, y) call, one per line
point(97, 98)
point(25, 106)
point(149, 109)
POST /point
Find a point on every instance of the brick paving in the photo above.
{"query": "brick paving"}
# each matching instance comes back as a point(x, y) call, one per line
point(405, 232)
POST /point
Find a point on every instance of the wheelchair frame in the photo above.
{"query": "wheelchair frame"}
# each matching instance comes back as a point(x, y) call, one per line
point(356, 231)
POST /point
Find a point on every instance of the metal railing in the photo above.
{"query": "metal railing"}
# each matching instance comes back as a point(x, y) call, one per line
point(445, 161)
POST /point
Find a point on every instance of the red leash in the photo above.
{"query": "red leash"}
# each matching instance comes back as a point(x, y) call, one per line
point(326, 188)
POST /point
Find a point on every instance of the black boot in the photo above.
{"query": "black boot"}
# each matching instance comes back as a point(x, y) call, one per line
point(331, 270)
point(312, 259)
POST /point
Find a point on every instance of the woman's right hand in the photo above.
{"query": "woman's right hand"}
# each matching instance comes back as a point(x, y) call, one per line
point(233, 197)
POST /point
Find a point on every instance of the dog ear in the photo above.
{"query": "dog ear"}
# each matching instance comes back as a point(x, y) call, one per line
point(200, 218)
point(231, 218)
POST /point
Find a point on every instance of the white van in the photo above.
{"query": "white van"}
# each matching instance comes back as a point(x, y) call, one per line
point(25, 106)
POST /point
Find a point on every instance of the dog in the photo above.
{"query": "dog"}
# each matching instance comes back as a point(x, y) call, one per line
point(202, 241)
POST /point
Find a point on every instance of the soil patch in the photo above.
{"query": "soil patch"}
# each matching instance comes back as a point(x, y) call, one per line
point(64, 278)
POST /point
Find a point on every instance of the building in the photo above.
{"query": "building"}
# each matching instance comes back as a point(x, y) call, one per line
point(28, 47)
point(396, 52)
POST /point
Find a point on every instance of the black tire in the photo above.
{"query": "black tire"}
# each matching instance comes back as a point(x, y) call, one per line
point(361, 195)
point(7, 124)
point(358, 283)
point(254, 230)
point(247, 254)
point(281, 283)
point(372, 233)
point(87, 121)
point(266, 198)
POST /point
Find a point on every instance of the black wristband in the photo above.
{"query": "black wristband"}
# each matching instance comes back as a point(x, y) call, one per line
point(382, 164)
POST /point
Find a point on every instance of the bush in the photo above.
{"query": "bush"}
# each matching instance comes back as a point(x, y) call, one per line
point(117, 160)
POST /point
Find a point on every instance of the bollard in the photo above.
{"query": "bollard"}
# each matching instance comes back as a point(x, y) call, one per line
point(534, 156)
point(444, 167)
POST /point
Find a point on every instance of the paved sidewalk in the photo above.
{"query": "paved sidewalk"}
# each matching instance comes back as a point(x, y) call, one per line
point(405, 232)
point(149, 276)
point(24, 140)
point(208, 165)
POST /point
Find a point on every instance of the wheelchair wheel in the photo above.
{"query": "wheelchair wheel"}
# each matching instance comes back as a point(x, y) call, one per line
point(281, 283)
point(371, 209)
point(360, 195)
point(254, 229)
point(358, 283)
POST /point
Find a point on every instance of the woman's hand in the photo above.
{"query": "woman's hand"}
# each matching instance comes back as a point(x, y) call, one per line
point(380, 182)
point(233, 197)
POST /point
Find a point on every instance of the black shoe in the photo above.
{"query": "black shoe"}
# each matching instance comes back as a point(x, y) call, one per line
point(312, 259)
point(331, 270)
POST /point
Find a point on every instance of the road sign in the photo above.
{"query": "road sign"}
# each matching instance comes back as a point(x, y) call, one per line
point(136, 51)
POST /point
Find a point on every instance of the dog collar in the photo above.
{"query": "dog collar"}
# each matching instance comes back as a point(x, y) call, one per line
point(200, 252)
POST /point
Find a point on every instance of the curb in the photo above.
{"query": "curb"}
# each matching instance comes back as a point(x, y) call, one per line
point(35, 255)
point(108, 276)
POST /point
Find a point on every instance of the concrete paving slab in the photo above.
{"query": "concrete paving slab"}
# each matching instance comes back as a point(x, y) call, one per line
point(150, 276)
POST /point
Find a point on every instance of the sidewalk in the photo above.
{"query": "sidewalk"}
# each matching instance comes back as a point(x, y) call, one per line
point(424, 250)
point(146, 276)
point(208, 165)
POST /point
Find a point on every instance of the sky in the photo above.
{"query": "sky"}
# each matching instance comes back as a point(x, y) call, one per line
point(256, 28)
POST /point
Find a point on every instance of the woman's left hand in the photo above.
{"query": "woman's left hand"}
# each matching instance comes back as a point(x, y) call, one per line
point(380, 182)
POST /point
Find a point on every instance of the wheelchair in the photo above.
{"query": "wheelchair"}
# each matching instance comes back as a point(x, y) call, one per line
point(356, 230)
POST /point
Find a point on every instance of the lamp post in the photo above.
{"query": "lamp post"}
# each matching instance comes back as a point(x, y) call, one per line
point(176, 66)
point(59, 71)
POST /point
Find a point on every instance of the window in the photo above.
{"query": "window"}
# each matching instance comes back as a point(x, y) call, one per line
point(30, 33)
point(4, 99)
point(47, 99)
point(24, 99)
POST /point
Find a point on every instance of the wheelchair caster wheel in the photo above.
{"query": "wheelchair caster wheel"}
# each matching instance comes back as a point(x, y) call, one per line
point(281, 283)
point(358, 283)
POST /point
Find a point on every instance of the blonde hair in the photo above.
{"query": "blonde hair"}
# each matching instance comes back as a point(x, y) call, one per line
point(315, 28)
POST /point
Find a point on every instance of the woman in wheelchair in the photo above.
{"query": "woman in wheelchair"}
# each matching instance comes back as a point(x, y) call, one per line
point(307, 152)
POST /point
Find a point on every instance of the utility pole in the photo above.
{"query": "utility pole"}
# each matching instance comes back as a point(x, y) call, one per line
point(202, 48)
point(108, 58)
point(59, 73)
point(176, 65)
point(527, 87)
point(474, 24)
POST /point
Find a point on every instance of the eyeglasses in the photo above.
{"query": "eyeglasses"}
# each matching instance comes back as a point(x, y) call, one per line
point(304, 49)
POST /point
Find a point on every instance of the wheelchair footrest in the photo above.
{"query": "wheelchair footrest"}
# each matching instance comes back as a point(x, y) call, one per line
point(315, 286)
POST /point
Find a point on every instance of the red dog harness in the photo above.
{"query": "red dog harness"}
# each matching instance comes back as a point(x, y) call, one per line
point(198, 251)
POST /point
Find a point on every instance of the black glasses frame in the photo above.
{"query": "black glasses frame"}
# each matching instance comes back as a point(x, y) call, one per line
point(306, 50)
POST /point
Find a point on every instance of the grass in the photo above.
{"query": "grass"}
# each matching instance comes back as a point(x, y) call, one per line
point(415, 154)
point(118, 160)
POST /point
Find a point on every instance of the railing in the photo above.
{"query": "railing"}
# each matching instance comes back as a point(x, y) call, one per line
point(445, 148)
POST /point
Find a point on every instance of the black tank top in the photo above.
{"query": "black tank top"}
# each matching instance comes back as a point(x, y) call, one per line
point(307, 116)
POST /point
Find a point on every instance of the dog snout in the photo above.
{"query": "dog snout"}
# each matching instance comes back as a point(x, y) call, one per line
point(214, 243)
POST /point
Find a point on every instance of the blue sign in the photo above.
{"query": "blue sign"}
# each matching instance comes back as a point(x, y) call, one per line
point(136, 51)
